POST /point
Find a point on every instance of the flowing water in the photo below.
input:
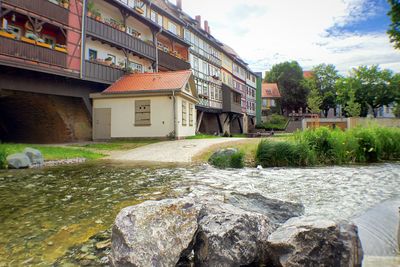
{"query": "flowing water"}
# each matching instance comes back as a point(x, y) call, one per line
point(47, 216)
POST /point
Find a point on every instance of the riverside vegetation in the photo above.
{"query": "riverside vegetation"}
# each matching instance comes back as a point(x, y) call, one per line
point(323, 146)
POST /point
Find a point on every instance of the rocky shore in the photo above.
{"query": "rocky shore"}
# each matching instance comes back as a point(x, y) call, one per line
point(230, 230)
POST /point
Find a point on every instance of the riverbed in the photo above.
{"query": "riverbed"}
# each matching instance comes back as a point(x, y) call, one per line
point(45, 214)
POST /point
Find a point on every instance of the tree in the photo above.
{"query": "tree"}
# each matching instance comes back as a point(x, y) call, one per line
point(394, 30)
point(373, 88)
point(314, 99)
point(326, 77)
point(289, 76)
point(353, 109)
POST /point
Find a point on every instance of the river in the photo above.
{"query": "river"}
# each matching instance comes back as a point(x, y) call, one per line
point(46, 214)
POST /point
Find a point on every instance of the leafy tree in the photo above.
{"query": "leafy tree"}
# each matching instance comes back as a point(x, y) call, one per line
point(314, 99)
point(373, 88)
point(394, 30)
point(289, 76)
point(326, 77)
point(353, 109)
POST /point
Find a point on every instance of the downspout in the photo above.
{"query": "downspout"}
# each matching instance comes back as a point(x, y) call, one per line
point(175, 121)
point(83, 37)
point(155, 40)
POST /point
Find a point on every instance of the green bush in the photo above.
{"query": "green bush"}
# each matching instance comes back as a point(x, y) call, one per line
point(281, 154)
point(274, 122)
point(3, 158)
point(324, 146)
point(223, 161)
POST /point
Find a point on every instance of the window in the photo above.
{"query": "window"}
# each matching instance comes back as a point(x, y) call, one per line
point(237, 98)
point(160, 20)
point(153, 16)
point(191, 112)
point(184, 113)
point(142, 113)
point(135, 66)
point(172, 27)
point(113, 58)
point(92, 54)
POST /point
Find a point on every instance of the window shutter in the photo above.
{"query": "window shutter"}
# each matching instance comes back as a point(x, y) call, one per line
point(142, 113)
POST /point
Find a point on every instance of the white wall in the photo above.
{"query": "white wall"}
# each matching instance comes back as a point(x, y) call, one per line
point(162, 117)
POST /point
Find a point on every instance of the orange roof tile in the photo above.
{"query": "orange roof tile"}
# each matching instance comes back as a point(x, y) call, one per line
point(173, 80)
point(270, 90)
point(308, 74)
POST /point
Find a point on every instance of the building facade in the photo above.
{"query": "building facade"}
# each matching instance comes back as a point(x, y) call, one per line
point(64, 52)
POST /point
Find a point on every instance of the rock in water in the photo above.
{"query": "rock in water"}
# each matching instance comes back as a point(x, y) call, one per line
point(154, 233)
point(34, 155)
point(276, 210)
point(18, 161)
point(315, 242)
point(230, 236)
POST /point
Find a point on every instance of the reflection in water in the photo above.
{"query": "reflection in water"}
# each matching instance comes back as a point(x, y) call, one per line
point(44, 213)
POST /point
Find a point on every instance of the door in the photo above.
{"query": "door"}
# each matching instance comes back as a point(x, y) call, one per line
point(102, 124)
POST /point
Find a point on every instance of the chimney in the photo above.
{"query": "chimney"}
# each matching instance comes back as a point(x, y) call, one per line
point(206, 26)
point(209, 30)
point(179, 4)
point(198, 19)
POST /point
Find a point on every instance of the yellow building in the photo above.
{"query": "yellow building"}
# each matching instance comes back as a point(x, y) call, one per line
point(153, 105)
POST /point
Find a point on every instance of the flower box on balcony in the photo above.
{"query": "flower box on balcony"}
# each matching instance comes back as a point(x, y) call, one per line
point(28, 40)
point(61, 49)
point(139, 10)
point(7, 35)
point(43, 45)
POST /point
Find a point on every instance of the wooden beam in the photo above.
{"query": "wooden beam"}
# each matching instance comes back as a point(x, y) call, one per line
point(221, 130)
point(5, 12)
point(240, 125)
point(63, 32)
point(199, 121)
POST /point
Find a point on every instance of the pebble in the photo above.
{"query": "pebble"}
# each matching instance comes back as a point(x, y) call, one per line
point(103, 244)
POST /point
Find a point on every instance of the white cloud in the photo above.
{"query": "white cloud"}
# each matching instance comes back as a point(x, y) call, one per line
point(265, 32)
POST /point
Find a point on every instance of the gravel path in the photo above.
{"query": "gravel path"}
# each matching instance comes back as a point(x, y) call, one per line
point(180, 151)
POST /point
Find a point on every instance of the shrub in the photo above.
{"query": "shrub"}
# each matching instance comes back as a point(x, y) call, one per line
point(227, 160)
point(390, 142)
point(280, 154)
point(369, 146)
point(3, 158)
point(274, 122)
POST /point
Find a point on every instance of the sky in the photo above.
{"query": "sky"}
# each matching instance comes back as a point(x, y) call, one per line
point(346, 33)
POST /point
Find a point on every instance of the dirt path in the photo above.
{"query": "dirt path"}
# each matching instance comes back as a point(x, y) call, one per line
point(181, 151)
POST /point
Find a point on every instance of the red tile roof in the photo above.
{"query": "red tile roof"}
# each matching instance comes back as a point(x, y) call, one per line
point(173, 80)
point(270, 90)
point(308, 74)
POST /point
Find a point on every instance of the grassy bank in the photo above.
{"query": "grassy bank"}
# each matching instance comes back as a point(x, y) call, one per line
point(119, 144)
point(323, 146)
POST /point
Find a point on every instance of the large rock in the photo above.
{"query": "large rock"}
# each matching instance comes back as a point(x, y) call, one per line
point(34, 155)
point(154, 233)
point(315, 242)
point(18, 161)
point(276, 210)
point(230, 236)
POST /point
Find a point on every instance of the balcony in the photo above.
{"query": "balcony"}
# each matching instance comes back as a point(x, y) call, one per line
point(170, 62)
point(231, 101)
point(114, 36)
point(42, 8)
point(101, 73)
point(32, 52)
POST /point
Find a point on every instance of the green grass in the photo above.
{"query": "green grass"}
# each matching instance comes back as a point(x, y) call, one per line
point(3, 156)
point(202, 136)
point(324, 146)
point(53, 152)
point(235, 160)
point(120, 144)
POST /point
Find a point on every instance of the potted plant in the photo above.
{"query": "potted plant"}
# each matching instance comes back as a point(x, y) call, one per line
point(108, 61)
point(128, 70)
point(42, 43)
point(97, 15)
point(60, 48)
point(121, 64)
point(29, 38)
point(7, 33)
point(90, 8)
point(65, 3)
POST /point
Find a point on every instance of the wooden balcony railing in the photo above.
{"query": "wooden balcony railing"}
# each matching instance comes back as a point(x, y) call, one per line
point(43, 8)
point(172, 63)
point(101, 73)
point(116, 37)
point(19, 49)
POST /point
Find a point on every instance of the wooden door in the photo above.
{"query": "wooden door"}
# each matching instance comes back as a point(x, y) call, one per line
point(102, 124)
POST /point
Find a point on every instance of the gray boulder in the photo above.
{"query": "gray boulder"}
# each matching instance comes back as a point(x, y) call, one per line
point(34, 155)
point(226, 152)
point(315, 242)
point(230, 236)
point(18, 161)
point(277, 211)
point(154, 233)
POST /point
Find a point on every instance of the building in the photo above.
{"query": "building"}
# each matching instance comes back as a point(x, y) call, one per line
point(62, 53)
point(270, 97)
point(153, 105)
